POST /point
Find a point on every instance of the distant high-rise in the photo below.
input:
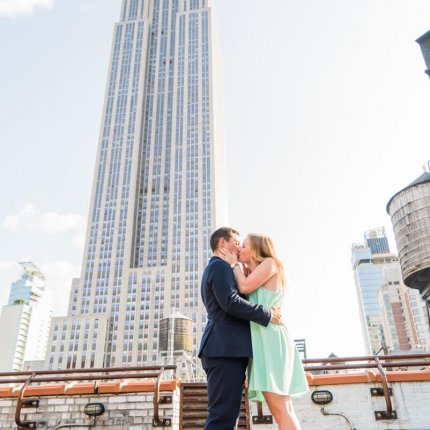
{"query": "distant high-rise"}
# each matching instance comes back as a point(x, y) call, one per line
point(25, 320)
point(377, 241)
point(368, 270)
point(392, 318)
point(301, 348)
point(403, 314)
point(158, 192)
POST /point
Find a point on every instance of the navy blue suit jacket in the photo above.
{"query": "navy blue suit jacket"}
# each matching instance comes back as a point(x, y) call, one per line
point(227, 332)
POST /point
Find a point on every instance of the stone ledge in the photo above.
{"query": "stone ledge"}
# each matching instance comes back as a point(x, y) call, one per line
point(126, 386)
point(366, 377)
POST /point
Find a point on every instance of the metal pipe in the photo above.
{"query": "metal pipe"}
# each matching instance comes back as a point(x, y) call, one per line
point(260, 410)
point(365, 358)
point(385, 387)
point(85, 377)
point(156, 420)
point(390, 364)
point(339, 414)
point(19, 423)
point(92, 370)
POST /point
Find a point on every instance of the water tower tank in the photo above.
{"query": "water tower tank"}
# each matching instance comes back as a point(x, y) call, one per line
point(178, 328)
point(410, 215)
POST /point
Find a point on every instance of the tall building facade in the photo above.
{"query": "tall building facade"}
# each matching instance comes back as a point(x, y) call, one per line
point(368, 272)
point(403, 314)
point(159, 188)
point(393, 318)
point(25, 320)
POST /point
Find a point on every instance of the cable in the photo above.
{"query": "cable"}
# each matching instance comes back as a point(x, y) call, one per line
point(339, 414)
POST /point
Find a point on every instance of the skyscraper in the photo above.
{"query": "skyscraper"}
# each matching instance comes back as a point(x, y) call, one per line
point(377, 241)
point(403, 313)
point(391, 317)
point(25, 320)
point(158, 192)
point(368, 276)
point(368, 262)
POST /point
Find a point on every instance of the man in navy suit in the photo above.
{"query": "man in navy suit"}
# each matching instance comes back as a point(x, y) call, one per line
point(226, 347)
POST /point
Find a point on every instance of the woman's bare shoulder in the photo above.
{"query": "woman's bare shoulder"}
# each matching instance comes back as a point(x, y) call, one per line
point(269, 262)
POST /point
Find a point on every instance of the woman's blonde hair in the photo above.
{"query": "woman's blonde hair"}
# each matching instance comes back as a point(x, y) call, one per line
point(262, 247)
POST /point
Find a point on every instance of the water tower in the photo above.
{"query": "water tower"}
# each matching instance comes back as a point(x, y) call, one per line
point(176, 335)
point(424, 42)
point(409, 210)
point(176, 345)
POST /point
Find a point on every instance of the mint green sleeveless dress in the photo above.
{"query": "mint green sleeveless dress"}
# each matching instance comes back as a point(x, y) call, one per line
point(276, 365)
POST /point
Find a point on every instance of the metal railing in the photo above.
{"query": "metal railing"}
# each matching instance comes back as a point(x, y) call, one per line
point(315, 365)
point(99, 374)
point(381, 363)
point(395, 361)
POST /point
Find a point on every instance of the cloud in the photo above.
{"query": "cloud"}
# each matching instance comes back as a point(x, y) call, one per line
point(12, 8)
point(59, 275)
point(30, 218)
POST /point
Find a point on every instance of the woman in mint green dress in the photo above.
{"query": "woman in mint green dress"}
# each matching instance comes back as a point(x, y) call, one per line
point(276, 372)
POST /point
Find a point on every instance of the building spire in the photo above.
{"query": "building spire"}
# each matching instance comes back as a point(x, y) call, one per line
point(31, 270)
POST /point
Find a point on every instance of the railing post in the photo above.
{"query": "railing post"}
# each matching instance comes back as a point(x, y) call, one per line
point(157, 422)
point(260, 418)
point(23, 425)
point(389, 414)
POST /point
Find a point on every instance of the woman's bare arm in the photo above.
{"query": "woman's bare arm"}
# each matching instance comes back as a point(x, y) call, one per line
point(258, 277)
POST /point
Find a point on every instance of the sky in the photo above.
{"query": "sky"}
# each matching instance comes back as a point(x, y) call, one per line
point(327, 109)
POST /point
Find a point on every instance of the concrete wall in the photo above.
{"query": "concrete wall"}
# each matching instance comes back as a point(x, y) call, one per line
point(411, 401)
point(132, 411)
point(124, 411)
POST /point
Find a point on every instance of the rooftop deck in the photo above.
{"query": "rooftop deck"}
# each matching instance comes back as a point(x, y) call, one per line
point(362, 393)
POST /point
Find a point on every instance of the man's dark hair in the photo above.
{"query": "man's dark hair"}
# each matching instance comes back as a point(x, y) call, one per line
point(225, 232)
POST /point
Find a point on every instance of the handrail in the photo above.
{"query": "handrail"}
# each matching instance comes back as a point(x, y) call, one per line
point(423, 363)
point(90, 370)
point(82, 375)
point(366, 358)
point(368, 361)
point(19, 423)
point(84, 378)
point(390, 361)
point(385, 387)
point(156, 421)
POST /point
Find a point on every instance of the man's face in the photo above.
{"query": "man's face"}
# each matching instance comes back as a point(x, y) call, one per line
point(233, 244)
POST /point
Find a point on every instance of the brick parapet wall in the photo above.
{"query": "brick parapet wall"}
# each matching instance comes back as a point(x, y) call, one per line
point(411, 401)
point(132, 411)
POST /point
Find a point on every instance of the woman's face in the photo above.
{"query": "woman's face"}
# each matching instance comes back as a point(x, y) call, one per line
point(245, 251)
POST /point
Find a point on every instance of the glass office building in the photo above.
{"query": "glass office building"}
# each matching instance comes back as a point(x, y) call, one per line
point(369, 259)
point(25, 320)
point(159, 188)
point(393, 317)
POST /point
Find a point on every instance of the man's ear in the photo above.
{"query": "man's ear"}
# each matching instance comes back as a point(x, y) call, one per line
point(221, 242)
